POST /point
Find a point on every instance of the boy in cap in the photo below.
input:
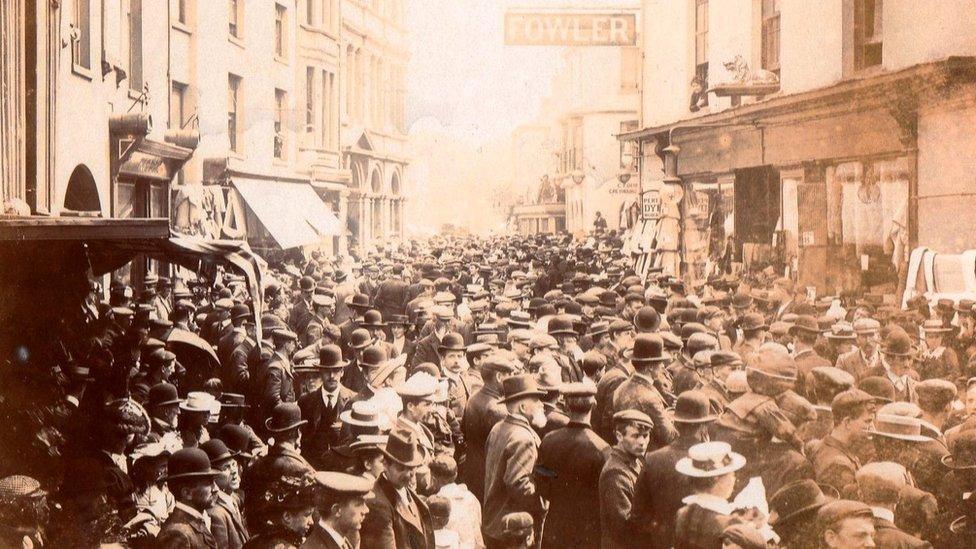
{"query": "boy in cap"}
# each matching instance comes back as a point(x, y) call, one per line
point(834, 459)
point(935, 399)
point(846, 524)
point(465, 509)
point(618, 478)
point(865, 355)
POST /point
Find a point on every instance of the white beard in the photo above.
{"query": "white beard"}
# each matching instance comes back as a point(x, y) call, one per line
point(539, 419)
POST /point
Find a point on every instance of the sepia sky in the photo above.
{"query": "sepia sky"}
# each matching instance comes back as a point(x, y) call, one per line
point(462, 74)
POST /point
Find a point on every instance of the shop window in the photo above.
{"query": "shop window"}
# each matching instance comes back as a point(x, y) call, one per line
point(868, 33)
point(770, 35)
point(871, 202)
point(709, 223)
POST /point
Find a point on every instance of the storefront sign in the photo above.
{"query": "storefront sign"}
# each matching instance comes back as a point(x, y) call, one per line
point(652, 208)
point(140, 164)
point(590, 28)
point(625, 187)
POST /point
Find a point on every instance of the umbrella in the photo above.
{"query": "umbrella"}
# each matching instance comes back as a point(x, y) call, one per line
point(195, 354)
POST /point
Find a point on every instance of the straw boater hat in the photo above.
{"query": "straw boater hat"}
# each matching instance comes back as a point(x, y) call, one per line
point(363, 414)
point(901, 427)
point(710, 459)
point(935, 326)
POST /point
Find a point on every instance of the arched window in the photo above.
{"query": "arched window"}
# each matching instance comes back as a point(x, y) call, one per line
point(82, 193)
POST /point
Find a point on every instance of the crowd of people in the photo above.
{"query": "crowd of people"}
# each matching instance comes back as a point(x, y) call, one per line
point(505, 392)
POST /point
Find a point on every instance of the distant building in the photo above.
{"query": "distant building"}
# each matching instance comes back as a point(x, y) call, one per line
point(373, 136)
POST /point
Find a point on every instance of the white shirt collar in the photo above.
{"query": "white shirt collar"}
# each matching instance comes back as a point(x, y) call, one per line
point(336, 536)
point(710, 502)
point(325, 395)
point(883, 514)
point(194, 513)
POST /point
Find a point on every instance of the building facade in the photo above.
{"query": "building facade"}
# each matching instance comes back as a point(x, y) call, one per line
point(826, 166)
point(572, 147)
point(374, 54)
point(261, 81)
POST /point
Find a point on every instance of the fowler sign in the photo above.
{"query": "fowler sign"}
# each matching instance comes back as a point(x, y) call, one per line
point(586, 28)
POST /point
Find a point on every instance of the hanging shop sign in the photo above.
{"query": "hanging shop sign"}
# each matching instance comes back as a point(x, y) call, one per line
point(570, 28)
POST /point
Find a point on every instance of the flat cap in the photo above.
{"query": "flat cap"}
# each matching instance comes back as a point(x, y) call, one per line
point(633, 416)
point(848, 402)
point(836, 511)
point(865, 326)
point(542, 341)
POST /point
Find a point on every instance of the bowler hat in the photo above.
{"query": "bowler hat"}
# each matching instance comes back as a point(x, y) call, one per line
point(217, 451)
point(647, 319)
point(374, 356)
point(284, 417)
point(561, 325)
point(360, 339)
point(795, 500)
point(963, 451)
point(330, 358)
point(609, 299)
point(520, 386)
point(693, 407)
point(452, 341)
point(358, 302)
point(404, 448)
point(239, 311)
point(190, 463)
point(237, 438)
point(372, 319)
point(753, 321)
point(307, 284)
point(649, 348)
point(897, 344)
point(725, 358)
point(163, 394)
point(535, 303)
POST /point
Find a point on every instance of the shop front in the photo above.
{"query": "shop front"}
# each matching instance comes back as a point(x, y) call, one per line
point(819, 186)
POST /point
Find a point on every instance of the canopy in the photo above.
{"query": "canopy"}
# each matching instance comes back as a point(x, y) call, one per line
point(187, 251)
point(292, 213)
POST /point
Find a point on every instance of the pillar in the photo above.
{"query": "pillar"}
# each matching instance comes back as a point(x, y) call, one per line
point(343, 215)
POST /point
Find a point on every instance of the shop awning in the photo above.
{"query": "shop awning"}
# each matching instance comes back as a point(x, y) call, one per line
point(292, 213)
